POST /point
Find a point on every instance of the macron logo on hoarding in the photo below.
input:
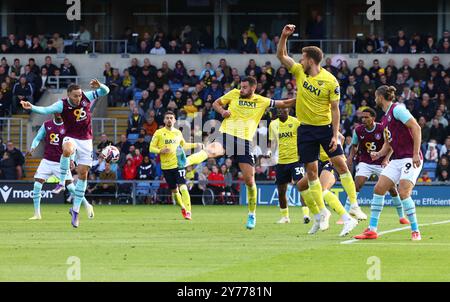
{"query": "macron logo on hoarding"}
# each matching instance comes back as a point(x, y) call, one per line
point(5, 191)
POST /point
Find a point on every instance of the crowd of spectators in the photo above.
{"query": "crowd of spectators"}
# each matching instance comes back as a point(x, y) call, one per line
point(148, 91)
point(190, 40)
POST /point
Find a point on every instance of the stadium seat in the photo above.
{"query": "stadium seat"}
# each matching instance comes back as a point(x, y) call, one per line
point(138, 95)
point(133, 137)
point(429, 165)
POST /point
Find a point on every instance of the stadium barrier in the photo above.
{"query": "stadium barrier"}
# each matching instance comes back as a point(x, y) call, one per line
point(133, 192)
point(423, 194)
point(66, 80)
point(6, 123)
point(337, 46)
point(100, 124)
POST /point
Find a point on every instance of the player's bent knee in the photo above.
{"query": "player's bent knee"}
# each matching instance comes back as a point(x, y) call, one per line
point(404, 193)
point(379, 189)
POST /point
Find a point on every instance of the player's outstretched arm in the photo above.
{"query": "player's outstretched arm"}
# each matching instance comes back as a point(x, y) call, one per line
point(282, 54)
point(39, 137)
point(100, 90)
point(284, 103)
point(54, 108)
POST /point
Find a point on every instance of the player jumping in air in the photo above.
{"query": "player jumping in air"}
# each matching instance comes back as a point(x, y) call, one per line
point(402, 135)
point(75, 110)
point(368, 138)
point(241, 119)
point(317, 109)
point(283, 135)
point(52, 132)
point(169, 143)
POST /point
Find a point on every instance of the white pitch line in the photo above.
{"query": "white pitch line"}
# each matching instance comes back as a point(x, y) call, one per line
point(397, 230)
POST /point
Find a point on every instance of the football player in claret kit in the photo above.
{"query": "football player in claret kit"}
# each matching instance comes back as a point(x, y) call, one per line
point(75, 110)
point(403, 135)
point(52, 132)
point(367, 138)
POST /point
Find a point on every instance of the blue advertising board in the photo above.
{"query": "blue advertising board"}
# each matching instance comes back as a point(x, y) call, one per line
point(423, 195)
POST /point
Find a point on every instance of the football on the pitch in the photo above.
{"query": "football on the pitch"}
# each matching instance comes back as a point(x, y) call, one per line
point(111, 154)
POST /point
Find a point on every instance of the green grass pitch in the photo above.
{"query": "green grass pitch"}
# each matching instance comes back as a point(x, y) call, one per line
point(154, 243)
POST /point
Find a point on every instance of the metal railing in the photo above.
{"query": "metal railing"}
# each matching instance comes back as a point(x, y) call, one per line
point(327, 45)
point(99, 125)
point(59, 81)
point(6, 123)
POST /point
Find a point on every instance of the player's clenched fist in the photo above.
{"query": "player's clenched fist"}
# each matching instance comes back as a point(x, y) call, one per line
point(94, 84)
point(288, 30)
point(26, 105)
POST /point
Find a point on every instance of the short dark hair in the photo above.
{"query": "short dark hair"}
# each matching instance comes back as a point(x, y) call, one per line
point(73, 87)
point(314, 53)
point(250, 80)
point(169, 113)
point(371, 111)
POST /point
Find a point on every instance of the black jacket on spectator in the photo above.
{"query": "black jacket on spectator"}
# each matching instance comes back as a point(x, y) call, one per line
point(17, 157)
point(135, 123)
point(8, 169)
point(438, 134)
point(143, 147)
point(68, 71)
point(146, 171)
point(143, 81)
point(50, 68)
point(248, 47)
point(26, 90)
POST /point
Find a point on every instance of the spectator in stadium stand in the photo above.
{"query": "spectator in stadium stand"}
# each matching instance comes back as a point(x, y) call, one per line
point(36, 46)
point(445, 48)
point(123, 145)
point(430, 46)
point(42, 84)
point(127, 86)
point(21, 47)
point(445, 149)
point(114, 83)
point(432, 153)
point(104, 141)
point(17, 68)
point(58, 42)
point(443, 165)
point(425, 129)
point(22, 91)
point(252, 66)
point(420, 72)
point(424, 177)
point(4, 48)
point(8, 169)
point(107, 189)
point(437, 131)
point(445, 37)
point(108, 70)
point(146, 170)
point(188, 48)
point(402, 46)
point(216, 181)
point(417, 42)
point(158, 49)
point(328, 66)
point(179, 72)
point(82, 40)
point(11, 40)
point(17, 157)
point(315, 28)
point(173, 48)
point(134, 68)
point(444, 176)
point(5, 105)
point(135, 122)
point(144, 48)
point(246, 45)
point(264, 45)
point(425, 109)
point(50, 48)
point(49, 65)
point(67, 69)
point(436, 65)
point(129, 170)
point(142, 145)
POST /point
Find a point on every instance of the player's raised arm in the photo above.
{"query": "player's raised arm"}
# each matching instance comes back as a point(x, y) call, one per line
point(282, 54)
point(100, 90)
point(56, 107)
